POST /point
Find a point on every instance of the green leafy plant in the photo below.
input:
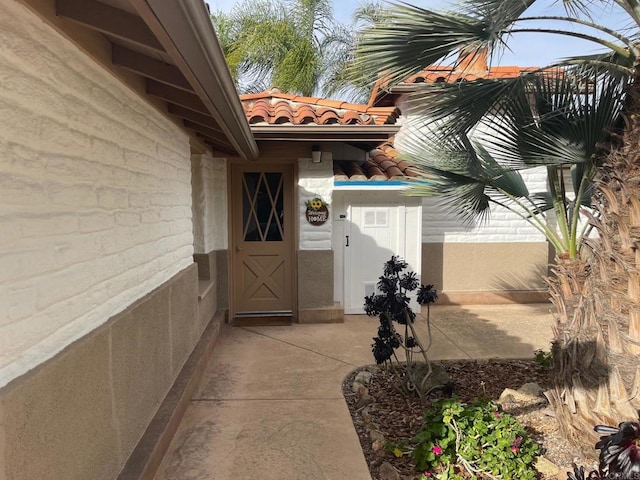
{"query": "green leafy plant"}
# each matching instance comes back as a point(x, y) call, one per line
point(391, 306)
point(542, 357)
point(478, 440)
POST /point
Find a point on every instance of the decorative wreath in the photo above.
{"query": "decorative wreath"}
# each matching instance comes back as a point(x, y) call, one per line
point(316, 204)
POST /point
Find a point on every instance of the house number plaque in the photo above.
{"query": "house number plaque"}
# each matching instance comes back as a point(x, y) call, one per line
point(317, 211)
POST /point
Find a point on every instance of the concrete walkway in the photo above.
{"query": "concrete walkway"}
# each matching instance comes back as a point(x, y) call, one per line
point(270, 406)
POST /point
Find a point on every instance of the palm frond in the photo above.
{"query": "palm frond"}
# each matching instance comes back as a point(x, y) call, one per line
point(410, 38)
point(462, 174)
point(543, 118)
point(463, 105)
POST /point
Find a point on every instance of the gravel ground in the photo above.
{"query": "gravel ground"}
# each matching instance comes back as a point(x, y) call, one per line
point(398, 417)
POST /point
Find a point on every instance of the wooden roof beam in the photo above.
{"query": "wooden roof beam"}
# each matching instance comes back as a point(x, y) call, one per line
point(193, 116)
point(109, 20)
point(217, 147)
point(149, 67)
point(176, 96)
point(213, 133)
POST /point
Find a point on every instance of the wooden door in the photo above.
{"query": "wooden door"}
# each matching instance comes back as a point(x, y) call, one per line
point(262, 240)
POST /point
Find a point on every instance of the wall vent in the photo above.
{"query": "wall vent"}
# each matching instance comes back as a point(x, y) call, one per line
point(370, 288)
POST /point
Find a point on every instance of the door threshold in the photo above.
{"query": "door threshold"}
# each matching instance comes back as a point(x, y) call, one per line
point(262, 319)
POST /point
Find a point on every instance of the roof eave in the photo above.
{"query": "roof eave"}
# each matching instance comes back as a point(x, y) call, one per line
point(188, 36)
point(310, 133)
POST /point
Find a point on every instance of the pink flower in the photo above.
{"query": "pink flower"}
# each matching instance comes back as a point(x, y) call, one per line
point(515, 446)
point(437, 449)
point(426, 474)
point(496, 414)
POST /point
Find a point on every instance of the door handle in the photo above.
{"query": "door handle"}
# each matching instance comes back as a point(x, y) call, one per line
point(347, 240)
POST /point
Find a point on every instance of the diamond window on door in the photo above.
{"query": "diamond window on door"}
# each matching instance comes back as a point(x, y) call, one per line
point(262, 207)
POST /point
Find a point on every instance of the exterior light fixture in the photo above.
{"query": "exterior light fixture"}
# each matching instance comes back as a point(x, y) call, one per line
point(316, 154)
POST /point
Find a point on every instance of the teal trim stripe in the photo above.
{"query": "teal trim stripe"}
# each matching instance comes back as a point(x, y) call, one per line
point(369, 183)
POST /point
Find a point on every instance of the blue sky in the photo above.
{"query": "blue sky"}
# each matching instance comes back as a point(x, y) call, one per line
point(527, 49)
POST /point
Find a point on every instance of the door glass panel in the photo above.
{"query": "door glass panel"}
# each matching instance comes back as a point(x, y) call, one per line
point(249, 220)
point(262, 207)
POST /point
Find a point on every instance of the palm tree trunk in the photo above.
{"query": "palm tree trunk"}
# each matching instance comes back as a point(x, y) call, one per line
point(597, 336)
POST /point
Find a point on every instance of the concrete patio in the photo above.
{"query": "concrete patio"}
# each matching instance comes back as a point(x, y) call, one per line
point(269, 404)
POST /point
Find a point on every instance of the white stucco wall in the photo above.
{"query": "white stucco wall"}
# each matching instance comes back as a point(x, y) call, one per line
point(439, 225)
point(315, 180)
point(95, 195)
point(209, 180)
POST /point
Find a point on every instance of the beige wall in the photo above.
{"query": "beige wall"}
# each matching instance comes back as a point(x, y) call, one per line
point(209, 183)
point(315, 288)
point(79, 415)
point(213, 279)
point(315, 278)
point(486, 272)
point(95, 194)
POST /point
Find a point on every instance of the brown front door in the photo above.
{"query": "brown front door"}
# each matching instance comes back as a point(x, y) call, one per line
point(262, 240)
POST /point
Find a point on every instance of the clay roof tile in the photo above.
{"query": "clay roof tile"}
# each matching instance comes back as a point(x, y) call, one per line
point(351, 118)
point(327, 117)
point(303, 115)
point(272, 106)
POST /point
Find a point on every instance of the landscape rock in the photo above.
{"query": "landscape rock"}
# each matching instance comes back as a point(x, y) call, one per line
point(546, 467)
point(373, 369)
point(532, 389)
point(376, 436)
point(355, 386)
point(510, 395)
point(362, 391)
point(388, 472)
point(377, 446)
point(363, 377)
point(439, 378)
point(364, 401)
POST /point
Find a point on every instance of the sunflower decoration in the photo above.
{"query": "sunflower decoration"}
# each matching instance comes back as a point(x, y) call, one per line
point(316, 204)
point(317, 211)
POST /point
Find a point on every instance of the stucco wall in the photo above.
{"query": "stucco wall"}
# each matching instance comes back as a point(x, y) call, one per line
point(209, 179)
point(314, 180)
point(455, 268)
point(95, 194)
point(440, 225)
point(79, 415)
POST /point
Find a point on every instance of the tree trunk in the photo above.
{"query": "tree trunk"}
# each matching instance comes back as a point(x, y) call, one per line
point(596, 352)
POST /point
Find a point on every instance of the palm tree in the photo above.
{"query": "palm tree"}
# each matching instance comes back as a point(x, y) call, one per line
point(548, 120)
point(295, 45)
point(596, 289)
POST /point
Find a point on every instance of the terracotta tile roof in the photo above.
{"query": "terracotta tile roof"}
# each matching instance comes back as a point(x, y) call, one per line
point(450, 75)
point(470, 66)
point(383, 164)
point(274, 107)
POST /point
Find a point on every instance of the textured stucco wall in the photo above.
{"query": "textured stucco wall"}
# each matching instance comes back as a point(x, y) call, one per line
point(79, 415)
point(209, 179)
point(95, 194)
point(315, 278)
point(440, 225)
point(485, 267)
point(314, 180)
